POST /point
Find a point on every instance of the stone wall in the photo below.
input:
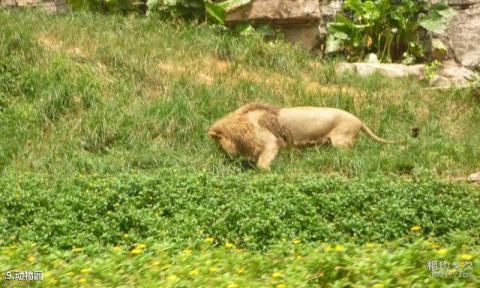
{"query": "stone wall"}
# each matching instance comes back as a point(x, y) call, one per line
point(50, 6)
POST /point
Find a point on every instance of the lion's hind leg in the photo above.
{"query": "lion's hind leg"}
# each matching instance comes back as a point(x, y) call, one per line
point(343, 141)
point(344, 136)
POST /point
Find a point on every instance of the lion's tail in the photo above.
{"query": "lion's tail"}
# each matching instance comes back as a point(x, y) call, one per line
point(372, 135)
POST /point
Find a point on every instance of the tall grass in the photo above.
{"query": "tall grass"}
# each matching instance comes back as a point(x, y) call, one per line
point(91, 93)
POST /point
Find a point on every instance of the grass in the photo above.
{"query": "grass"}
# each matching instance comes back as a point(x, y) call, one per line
point(91, 93)
point(103, 124)
point(209, 263)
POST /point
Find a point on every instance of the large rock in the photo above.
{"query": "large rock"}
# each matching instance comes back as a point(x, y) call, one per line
point(388, 70)
point(276, 11)
point(462, 36)
point(303, 22)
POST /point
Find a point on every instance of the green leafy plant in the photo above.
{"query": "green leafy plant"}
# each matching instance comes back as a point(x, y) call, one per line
point(254, 211)
point(391, 30)
point(431, 69)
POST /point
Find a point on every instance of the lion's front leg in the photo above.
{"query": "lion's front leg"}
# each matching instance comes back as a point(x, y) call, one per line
point(267, 155)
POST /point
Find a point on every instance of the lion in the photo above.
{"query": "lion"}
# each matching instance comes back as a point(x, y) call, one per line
point(258, 131)
point(474, 178)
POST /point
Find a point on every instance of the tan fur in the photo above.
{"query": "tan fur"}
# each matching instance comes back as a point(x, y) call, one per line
point(258, 131)
point(475, 178)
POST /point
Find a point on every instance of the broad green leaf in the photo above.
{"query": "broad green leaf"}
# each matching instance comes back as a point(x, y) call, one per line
point(433, 25)
point(230, 5)
point(215, 11)
point(333, 44)
point(341, 36)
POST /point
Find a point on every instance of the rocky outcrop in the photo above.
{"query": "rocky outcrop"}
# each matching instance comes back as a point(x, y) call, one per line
point(303, 22)
point(462, 36)
point(50, 6)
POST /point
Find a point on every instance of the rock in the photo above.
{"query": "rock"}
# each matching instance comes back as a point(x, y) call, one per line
point(439, 50)
point(303, 36)
point(462, 3)
point(372, 59)
point(328, 11)
point(453, 74)
point(296, 19)
point(277, 11)
point(49, 6)
point(440, 81)
point(462, 36)
point(388, 70)
point(8, 3)
point(474, 178)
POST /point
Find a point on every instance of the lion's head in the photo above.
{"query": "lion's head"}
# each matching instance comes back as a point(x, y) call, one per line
point(237, 133)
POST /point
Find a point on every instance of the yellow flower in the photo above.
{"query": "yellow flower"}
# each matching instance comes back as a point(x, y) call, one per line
point(117, 248)
point(140, 246)
point(125, 235)
point(31, 259)
point(339, 248)
point(172, 278)
point(370, 245)
point(136, 251)
point(213, 269)
point(443, 251)
point(276, 275)
point(328, 248)
point(232, 285)
point(378, 285)
point(434, 245)
point(229, 245)
point(296, 241)
point(210, 239)
point(415, 228)
point(281, 286)
point(85, 271)
point(241, 270)
point(467, 257)
point(77, 250)
point(194, 272)
point(82, 280)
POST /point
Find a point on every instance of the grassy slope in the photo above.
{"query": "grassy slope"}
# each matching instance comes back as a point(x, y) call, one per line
point(94, 94)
